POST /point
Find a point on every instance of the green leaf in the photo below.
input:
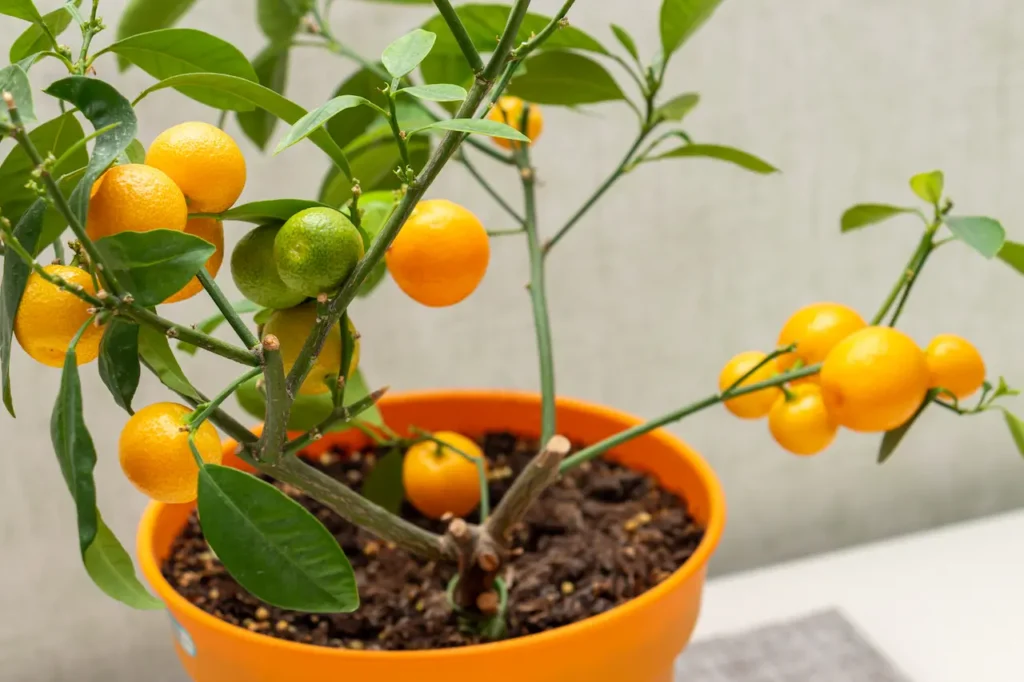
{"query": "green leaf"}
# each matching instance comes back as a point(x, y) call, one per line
point(157, 264)
point(984, 235)
point(626, 40)
point(678, 107)
point(1016, 427)
point(272, 545)
point(383, 485)
point(75, 451)
point(280, 19)
point(1012, 254)
point(103, 106)
point(271, 66)
point(565, 79)
point(891, 439)
point(141, 16)
point(34, 40)
point(247, 94)
point(374, 165)
point(863, 215)
point(210, 324)
point(134, 153)
point(271, 210)
point(173, 51)
point(351, 123)
point(680, 19)
point(20, 9)
point(928, 186)
point(439, 92)
point(721, 153)
point(14, 80)
point(12, 286)
point(406, 53)
point(315, 120)
point(1003, 389)
point(481, 126)
point(110, 567)
point(119, 361)
point(156, 352)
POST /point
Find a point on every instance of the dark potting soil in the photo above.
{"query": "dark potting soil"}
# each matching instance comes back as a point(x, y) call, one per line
point(599, 537)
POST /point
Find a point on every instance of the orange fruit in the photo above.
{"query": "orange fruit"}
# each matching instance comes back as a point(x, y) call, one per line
point(752, 405)
point(48, 318)
point(204, 161)
point(212, 231)
point(440, 255)
point(509, 110)
point(134, 198)
point(816, 329)
point(802, 424)
point(954, 364)
point(439, 480)
point(291, 327)
point(156, 457)
point(874, 379)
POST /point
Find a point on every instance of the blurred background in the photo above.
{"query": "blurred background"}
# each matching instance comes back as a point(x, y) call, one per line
point(682, 265)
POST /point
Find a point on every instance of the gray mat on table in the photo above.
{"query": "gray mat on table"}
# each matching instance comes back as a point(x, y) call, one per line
point(822, 647)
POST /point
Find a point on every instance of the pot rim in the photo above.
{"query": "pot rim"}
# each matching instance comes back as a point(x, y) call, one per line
point(150, 566)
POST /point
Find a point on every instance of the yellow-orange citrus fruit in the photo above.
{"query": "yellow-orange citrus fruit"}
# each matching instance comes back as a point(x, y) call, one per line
point(441, 481)
point(440, 255)
point(509, 110)
point(802, 424)
point(212, 231)
point(955, 364)
point(752, 405)
point(156, 457)
point(816, 329)
point(874, 379)
point(291, 327)
point(134, 198)
point(48, 318)
point(204, 161)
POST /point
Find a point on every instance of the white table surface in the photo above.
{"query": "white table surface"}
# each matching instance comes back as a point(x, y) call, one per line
point(944, 605)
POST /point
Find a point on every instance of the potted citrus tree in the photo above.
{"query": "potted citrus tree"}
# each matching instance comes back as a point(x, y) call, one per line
point(440, 535)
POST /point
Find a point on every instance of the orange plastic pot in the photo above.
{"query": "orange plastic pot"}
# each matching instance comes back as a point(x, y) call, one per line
point(635, 642)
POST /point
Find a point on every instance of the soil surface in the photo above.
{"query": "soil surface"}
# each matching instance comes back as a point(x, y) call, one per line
point(599, 537)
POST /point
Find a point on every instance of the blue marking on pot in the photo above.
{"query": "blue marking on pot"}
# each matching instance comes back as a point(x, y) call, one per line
point(184, 639)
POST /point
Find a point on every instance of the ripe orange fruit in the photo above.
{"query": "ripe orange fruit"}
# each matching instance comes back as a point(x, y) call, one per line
point(204, 161)
point(802, 424)
point(439, 480)
point(509, 110)
point(134, 198)
point(291, 327)
point(48, 318)
point(874, 379)
point(156, 457)
point(440, 255)
point(752, 405)
point(816, 329)
point(955, 364)
point(212, 231)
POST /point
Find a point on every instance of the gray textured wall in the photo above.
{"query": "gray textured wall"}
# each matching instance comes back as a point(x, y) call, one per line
point(681, 266)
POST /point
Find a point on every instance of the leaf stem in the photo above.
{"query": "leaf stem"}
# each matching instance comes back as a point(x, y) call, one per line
point(462, 37)
point(245, 335)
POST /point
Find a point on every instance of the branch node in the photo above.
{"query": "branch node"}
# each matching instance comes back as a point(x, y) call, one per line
point(271, 343)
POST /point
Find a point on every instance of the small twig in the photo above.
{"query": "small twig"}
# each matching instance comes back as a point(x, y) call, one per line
point(204, 410)
point(500, 200)
point(245, 335)
point(186, 333)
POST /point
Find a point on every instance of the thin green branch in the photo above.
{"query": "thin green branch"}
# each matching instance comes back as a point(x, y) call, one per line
point(764, 361)
point(340, 414)
point(462, 37)
point(909, 275)
point(204, 410)
point(245, 335)
point(187, 334)
point(508, 232)
point(89, 29)
point(482, 181)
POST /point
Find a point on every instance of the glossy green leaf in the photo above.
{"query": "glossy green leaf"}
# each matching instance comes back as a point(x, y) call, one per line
point(280, 19)
point(928, 186)
point(12, 286)
point(247, 94)
point(731, 155)
point(678, 107)
point(349, 124)
point(566, 79)
point(273, 546)
point(271, 210)
point(406, 53)
point(480, 126)
point(157, 353)
point(1016, 427)
point(626, 40)
point(34, 40)
point(154, 265)
point(447, 68)
point(1012, 254)
point(110, 567)
point(892, 439)
point(20, 9)
point(271, 66)
point(438, 92)
point(14, 80)
point(170, 52)
point(140, 16)
point(75, 451)
point(119, 361)
point(863, 215)
point(680, 19)
point(103, 106)
point(383, 485)
point(210, 324)
point(984, 235)
point(317, 118)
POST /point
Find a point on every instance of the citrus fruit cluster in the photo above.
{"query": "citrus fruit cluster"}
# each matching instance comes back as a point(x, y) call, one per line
point(872, 378)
